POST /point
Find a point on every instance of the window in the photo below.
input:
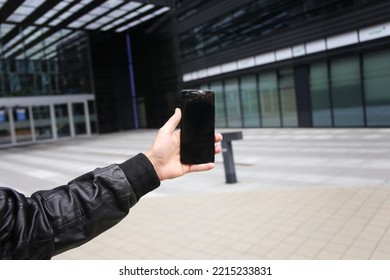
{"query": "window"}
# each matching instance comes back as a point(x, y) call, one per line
point(79, 118)
point(346, 92)
point(42, 122)
point(319, 95)
point(376, 75)
point(5, 131)
point(269, 100)
point(249, 100)
point(59, 65)
point(233, 103)
point(62, 120)
point(254, 20)
point(287, 97)
point(22, 124)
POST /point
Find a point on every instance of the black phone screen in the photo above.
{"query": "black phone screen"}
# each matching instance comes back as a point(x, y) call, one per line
point(197, 126)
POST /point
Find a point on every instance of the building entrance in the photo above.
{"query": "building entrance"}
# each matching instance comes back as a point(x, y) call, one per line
point(46, 118)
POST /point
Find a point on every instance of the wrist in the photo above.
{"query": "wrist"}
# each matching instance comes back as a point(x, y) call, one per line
point(153, 161)
point(140, 173)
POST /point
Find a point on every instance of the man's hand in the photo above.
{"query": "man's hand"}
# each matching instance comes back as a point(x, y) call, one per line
point(165, 151)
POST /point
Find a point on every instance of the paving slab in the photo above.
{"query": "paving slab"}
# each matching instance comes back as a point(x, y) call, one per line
point(301, 194)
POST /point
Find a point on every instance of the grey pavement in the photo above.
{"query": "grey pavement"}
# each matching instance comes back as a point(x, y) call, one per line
point(301, 194)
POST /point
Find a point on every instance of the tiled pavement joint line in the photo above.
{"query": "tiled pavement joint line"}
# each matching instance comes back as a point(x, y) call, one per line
point(336, 211)
point(384, 232)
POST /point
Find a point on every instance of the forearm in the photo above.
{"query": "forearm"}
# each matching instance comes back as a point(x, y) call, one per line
point(51, 222)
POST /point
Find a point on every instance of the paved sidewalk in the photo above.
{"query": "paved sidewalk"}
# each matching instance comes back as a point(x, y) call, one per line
point(302, 194)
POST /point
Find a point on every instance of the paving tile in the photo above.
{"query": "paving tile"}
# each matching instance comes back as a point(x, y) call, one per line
point(278, 254)
point(380, 255)
point(328, 255)
point(307, 251)
point(301, 194)
point(358, 253)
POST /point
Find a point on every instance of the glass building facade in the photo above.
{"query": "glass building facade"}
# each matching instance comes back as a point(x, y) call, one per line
point(58, 65)
point(257, 19)
point(265, 99)
point(47, 50)
point(46, 90)
point(290, 63)
point(76, 67)
point(351, 91)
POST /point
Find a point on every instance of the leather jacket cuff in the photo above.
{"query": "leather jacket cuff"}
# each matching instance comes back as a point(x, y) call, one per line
point(141, 175)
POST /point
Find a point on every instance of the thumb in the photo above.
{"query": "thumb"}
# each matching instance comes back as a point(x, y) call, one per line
point(173, 121)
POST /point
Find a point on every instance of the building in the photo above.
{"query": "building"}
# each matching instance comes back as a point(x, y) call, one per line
point(312, 63)
point(77, 67)
point(65, 67)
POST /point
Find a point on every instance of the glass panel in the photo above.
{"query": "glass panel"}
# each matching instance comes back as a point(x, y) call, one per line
point(46, 83)
point(22, 124)
point(74, 68)
point(62, 120)
point(92, 116)
point(79, 118)
point(220, 117)
point(42, 122)
point(319, 95)
point(269, 100)
point(6, 85)
point(287, 97)
point(376, 74)
point(254, 20)
point(346, 92)
point(49, 67)
point(5, 131)
point(233, 103)
point(3, 66)
point(250, 103)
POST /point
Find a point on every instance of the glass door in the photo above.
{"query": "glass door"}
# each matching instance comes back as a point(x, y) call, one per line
point(22, 124)
point(5, 130)
point(42, 122)
point(62, 120)
point(79, 118)
point(34, 119)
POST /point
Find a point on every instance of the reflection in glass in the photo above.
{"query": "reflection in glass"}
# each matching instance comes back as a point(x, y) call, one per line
point(253, 20)
point(269, 100)
point(22, 124)
point(5, 132)
point(42, 123)
point(346, 92)
point(50, 67)
point(233, 103)
point(249, 99)
point(320, 99)
point(287, 97)
point(376, 74)
point(62, 120)
point(79, 118)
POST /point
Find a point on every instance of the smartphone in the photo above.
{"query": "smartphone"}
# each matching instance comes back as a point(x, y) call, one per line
point(197, 126)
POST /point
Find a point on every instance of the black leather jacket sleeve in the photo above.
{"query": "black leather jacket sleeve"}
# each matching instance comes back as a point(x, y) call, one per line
point(53, 221)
